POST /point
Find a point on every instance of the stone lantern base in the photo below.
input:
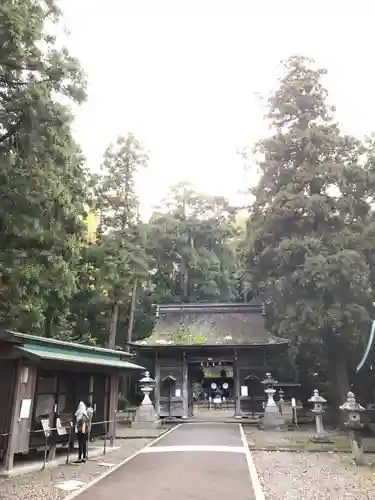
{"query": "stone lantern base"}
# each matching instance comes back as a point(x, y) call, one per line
point(146, 418)
point(272, 419)
point(320, 439)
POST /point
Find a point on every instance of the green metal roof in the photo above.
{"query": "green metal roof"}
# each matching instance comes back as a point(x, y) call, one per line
point(71, 356)
point(23, 338)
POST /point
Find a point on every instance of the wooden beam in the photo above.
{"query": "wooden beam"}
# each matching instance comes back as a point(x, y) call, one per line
point(19, 429)
point(113, 398)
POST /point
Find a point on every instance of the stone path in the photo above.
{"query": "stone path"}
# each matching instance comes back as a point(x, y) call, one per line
point(193, 462)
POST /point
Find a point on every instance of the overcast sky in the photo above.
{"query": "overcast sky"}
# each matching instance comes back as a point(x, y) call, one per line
point(183, 76)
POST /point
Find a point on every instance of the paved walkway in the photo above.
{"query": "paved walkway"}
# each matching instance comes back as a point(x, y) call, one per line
point(193, 462)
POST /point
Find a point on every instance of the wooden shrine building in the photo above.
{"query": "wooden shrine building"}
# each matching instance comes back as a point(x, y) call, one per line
point(42, 382)
point(196, 347)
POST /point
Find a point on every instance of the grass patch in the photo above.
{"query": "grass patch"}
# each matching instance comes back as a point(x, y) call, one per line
point(300, 441)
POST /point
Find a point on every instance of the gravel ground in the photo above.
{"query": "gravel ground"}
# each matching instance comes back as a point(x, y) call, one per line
point(42, 485)
point(313, 476)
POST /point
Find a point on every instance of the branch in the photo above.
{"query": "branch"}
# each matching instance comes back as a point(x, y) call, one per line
point(34, 66)
point(12, 130)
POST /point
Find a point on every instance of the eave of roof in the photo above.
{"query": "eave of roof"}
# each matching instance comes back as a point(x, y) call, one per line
point(141, 346)
point(17, 338)
point(49, 353)
point(210, 307)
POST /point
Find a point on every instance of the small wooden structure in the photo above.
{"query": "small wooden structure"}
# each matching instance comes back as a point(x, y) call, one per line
point(190, 339)
point(43, 380)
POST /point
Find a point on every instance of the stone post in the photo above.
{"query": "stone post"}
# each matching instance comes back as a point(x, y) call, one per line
point(146, 416)
point(353, 411)
point(237, 387)
point(272, 418)
point(318, 409)
point(281, 401)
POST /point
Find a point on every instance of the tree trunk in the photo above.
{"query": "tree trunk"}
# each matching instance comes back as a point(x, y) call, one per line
point(341, 387)
point(48, 323)
point(132, 311)
point(342, 384)
point(184, 281)
point(113, 327)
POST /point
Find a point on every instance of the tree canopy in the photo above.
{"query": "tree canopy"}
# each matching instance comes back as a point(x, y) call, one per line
point(77, 261)
point(311, 225)
point(42, 176)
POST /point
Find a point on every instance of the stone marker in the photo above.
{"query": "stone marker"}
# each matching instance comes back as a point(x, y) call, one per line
point(145, 415)
point(318, 409)
point(272, 418)
point(354, 410)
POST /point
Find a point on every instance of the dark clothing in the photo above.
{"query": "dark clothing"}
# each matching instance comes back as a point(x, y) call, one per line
point(82, 424)
point(82, 434)
point(82, 445)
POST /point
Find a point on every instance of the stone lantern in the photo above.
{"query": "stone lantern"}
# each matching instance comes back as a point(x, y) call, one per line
point(147, 385)
point(353, 411)
point(146, 416)
point(318, 403)
point(272, 418)
point(269, 383)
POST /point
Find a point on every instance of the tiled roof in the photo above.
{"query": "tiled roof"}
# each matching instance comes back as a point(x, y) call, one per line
point(210, 324)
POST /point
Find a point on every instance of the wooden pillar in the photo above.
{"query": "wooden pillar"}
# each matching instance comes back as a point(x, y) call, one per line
point(237, 387)
point(106, 403)
point(91, 390)
point(185, 387)
point(24, 390)
point(113, 399)
point(157, 383)
point(265, 362)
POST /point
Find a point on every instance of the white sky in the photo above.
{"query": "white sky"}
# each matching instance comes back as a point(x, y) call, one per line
point(183, 76)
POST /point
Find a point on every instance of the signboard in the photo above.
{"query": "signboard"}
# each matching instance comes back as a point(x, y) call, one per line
point(216, 372)
point(61, 431)
point(25, 408)
point(244, 390)
point(46, 427)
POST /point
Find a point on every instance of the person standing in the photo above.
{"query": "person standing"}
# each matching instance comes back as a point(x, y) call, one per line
point(82, 431)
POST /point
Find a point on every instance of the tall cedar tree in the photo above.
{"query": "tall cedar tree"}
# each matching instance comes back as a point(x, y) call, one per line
point(119, 256)
point(43, 183)
point(308, 227)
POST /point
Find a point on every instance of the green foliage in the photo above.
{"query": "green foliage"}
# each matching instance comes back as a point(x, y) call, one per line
point(123, 403)
point(117, 201)
point(310, 238)
point(307, 247)
point(43, 182)
point(184, 335)
point(117, 263)
point(192, 242)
